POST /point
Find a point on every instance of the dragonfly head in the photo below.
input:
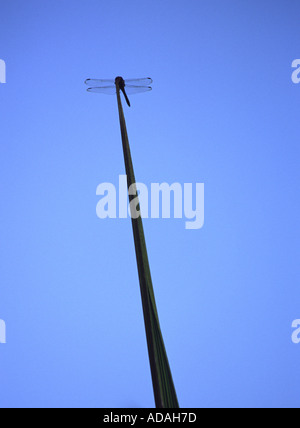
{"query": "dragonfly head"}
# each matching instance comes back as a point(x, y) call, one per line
point(119, 81)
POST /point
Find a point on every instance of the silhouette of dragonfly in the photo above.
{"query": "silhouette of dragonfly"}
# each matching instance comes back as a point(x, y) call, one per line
point(128, 86)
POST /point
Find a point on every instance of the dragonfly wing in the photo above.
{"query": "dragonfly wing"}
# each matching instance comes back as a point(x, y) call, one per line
point(130, 89)
point(139, 82)
point(99, 82)
point(109, 90)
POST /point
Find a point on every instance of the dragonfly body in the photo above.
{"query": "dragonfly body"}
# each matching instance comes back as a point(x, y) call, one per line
point(127, 86)
point(119, 82)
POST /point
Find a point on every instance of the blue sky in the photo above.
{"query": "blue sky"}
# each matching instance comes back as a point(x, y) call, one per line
point(223, 112)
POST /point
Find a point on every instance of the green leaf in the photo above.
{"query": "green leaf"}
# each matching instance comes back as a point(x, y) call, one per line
point(163, 385)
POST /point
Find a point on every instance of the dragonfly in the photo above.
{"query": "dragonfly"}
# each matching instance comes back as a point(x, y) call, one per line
point(127, 86)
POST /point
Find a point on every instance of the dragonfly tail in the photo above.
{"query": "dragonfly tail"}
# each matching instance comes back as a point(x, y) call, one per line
point(126, 98)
